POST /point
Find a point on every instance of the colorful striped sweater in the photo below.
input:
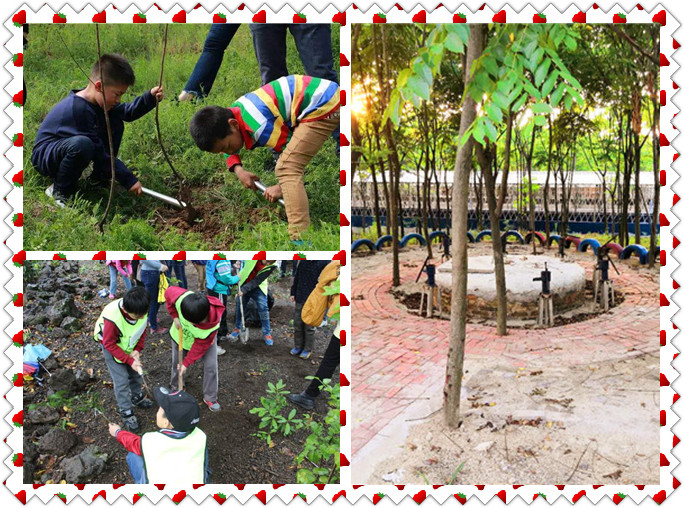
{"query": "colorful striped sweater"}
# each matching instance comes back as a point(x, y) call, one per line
point(268, 115)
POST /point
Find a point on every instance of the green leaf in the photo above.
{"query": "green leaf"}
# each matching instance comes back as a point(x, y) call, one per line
point(453, 43)
point(541, 108)
point(305, 476)
point(539, 120)
point(505, 85)
point(529, 48)
point(571, 43)
point(402, 78)
point(476, 93)
point(291, 415)
point(520, 102)
point(419, 87)
point(490, 64)
point(482, 80)
point(571, 79)
point(575, 95)
point(462, 30)
point(500, 100)
point(568, 101)
point(557, 95)
point(423, 71)
point(490, 130)
point(536, 58)
point(548, 85)
point(479, 132)
point(530, 89)
point(541, 72)
point(494, 112)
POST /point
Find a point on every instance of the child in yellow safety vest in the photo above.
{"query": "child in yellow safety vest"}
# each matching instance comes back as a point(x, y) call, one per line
point(254, 286)
point(199, 316)
point(121, 330)
point(177, 452)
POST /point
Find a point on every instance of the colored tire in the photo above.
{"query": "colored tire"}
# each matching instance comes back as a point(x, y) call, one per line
point(412, 236)
point(471, 238)
point(616, 248)
point(640, 250)
point(515, 235)
point(361, 242)
point(557, 238)
point(482, 234)
point(382, 241)
point(589, 242)
point(572, 240)
point(441, 235)
point(540, 236)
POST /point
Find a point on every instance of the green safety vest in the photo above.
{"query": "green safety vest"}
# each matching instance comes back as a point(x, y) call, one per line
point(190, 330)
point(169, 460)
point(247, 269)
point(130, 332)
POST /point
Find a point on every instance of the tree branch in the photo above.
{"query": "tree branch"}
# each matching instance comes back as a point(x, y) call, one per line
point(635, 45)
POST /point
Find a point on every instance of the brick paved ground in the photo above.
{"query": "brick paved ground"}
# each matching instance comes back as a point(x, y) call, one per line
point(399, 360)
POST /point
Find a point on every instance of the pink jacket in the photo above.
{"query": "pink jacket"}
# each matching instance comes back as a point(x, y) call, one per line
point(123, 267)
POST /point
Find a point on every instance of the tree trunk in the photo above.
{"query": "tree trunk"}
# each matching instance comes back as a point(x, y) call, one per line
point(530, 192)
point(459, 221)
point(547, 223)
point(376, 201)
point(655, 143)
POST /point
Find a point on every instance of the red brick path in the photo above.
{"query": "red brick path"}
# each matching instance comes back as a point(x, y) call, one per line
point(398, 358)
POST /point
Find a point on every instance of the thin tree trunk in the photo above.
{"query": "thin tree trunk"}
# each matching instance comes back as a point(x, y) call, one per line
point(547, 222)
point(459, 221)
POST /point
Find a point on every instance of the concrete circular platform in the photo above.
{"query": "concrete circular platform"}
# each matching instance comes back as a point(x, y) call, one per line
point(522, 291)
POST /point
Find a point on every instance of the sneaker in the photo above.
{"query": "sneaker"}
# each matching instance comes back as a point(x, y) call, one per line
point(213, 406)
point(295, 351)
point(268, 340)
point(219, 350)
point(159, 330)
point(186, 96)
point(305, 355)
point(302, 400)
point(301, 244)
point(60, 199)
point(142, 402)
point(111, 296)
point(130, 422)
point(235, 335)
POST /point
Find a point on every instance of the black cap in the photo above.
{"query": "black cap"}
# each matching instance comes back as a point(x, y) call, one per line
point(181, 408)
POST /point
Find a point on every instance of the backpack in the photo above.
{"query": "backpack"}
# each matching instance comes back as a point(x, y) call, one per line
point(317, 303)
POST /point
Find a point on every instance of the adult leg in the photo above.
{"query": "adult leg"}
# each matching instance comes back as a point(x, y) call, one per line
point(298, 327)
point(307, 139)
point(270, 49)
point(201, 276)
point(223, 326)
point(181, 274)
point(330, 362)
point(112, 280)
point(136, 466)
point(150, 279)
point(71, 157)
point(203, 75)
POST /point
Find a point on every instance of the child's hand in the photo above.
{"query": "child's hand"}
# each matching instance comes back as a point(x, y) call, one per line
point(113, 427)
point(136, 189)
point(158, 93)
point(182, 370)
point(137, 366)
point(273, 193)
point(246, 178)
point(292, 298)
point(136, 355)
point(177, 323)
point(164, 268)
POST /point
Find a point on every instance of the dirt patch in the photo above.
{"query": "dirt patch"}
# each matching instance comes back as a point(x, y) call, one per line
point(235, 456)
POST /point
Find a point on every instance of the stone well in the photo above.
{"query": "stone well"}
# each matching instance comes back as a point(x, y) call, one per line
point(567, 285)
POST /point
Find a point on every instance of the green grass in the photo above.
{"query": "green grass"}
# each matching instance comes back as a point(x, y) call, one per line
point(241, 219)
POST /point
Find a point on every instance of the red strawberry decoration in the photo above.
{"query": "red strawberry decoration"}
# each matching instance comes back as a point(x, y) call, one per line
point(259, 256)
point(100, 256)
point(19, 19)
point(179, 17)
point(277, 485)
point(136, 497)
point(539, 18)
point(160, 486)
point(139, 18)
point(619, 18)
point(663, 460)
point(664, 62)
point(19, 258)
point(18, 459)
point(577, 496)
point(59, 257)
point(18, 379)
point(220, 498)
point(580, 17)
point(242, 6)
point(300, 495)
point(420, 497)
point(79, 486)
point(102, 493)
point(341, 493)
point(344, 62)
point(240, 486)
point(377, 497)
point(537, 495)
point(660, 18)
point(18, 59)
point(343, 417)
point(59, 18)
point(18, 219)
point(299, 257)
point(660, 496)
point(61, 496)
point(675, 44)
point(139, 256)
point(218, 256)
point(259, 17)
point(341, 18)
point(219, 18)
point(18, 179)
point(18, 339)
point(460, 18)
point(21, 496)
point(344, 302)
point(343, 98)
point(419, 17)
point(343, 178)
point(460, 497)
point(379, 18)
point(399, 7)
point(639, 7)
point(261, 496)
point(299, 18)
point(100, 17)
point(343, 380)
point(179, 256)
point(502, 495)
point(640, 487)
point(343, 459)
point(617, 498)
point(178, 496)
point(18, 99)
point(663, 382)
point(343, 338)
point(499, 17)
point(18, 299)
point(341, 257)
point(18, 139)
point(18, 419)
point(343, 220)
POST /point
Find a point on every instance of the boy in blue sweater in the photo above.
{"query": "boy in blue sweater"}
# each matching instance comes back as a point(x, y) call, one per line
point(74, 132)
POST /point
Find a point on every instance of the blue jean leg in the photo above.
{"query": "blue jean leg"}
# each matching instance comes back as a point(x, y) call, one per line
point(208, 64)
point(270, 49)
point(150, 279)
point(71, 157)
point(112, 280)
point(261, 301)
point(136, 466)
point(179, 271)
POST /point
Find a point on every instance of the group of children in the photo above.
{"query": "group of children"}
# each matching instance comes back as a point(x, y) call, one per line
point(292, 115)
point(121, 330)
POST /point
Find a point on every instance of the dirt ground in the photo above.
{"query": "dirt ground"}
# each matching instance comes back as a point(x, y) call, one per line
point(555, 423)
point(235, 456)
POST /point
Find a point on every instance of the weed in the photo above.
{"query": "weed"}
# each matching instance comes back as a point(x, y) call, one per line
point(273, 420)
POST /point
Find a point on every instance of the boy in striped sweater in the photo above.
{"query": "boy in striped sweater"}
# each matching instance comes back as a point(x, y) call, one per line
point(293, 115)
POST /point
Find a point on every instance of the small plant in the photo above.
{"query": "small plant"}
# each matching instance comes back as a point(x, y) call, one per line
point(271, 413)
point(322, 447)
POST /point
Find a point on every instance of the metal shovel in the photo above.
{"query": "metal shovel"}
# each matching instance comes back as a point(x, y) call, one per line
point(262, 189)
point(166, 199)
point(244, 331)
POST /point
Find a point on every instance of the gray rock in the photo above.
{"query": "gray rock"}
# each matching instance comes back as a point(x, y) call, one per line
point(70, 324)
point(57, 442)
point(43, 414)
point(50, 363)
point(30, 456)
point(59, 333)
point(61, 308)
point(82, 467)
point(63, 380)
point(35, 318)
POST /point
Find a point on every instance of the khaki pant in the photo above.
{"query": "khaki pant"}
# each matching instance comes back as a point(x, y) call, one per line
point(307, 139)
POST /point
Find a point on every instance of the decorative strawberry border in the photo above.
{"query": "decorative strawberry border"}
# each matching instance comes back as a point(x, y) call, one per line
point(354, 13)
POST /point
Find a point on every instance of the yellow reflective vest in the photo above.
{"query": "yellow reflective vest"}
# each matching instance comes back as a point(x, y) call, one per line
point(173, 460)
point(130, 332)
point(190, 330)
point(247, 269)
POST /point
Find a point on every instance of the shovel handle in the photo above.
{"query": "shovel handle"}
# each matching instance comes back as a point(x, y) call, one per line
point(262, 189)
point(163, 197)
point(180, 357)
